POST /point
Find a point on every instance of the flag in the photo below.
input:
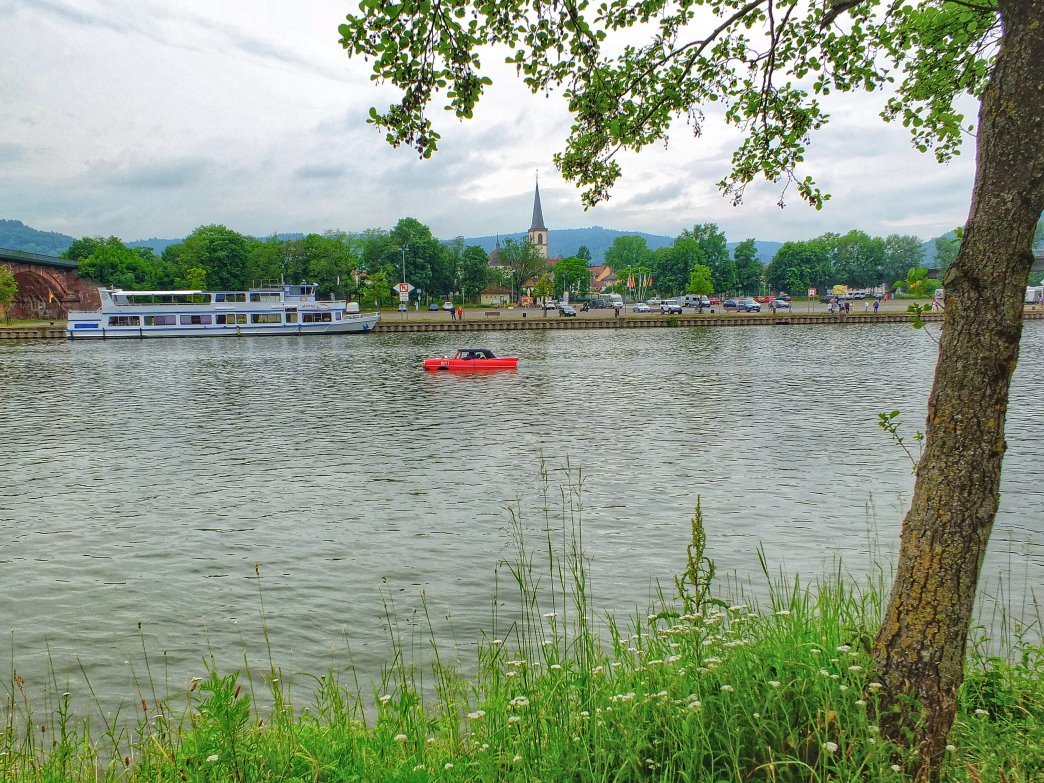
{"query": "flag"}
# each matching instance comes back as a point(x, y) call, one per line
point(630, 281)
point(649, 281)
point(50, 296)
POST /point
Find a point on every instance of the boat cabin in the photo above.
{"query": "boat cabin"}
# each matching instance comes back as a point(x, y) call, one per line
point(475, 353)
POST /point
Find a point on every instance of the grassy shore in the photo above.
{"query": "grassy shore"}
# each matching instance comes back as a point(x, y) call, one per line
point(698, 689)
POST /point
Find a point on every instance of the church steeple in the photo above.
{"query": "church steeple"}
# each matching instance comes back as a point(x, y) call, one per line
point(538, 231)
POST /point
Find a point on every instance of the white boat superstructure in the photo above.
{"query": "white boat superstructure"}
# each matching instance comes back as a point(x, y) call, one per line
point(274, 309)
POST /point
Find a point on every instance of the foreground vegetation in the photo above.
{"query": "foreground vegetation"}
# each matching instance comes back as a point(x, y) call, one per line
point(698, 690)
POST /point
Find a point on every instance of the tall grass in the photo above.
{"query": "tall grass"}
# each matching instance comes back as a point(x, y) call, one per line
point(702, 687)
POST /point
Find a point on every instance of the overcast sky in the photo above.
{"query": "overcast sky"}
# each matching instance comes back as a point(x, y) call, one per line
point(142, 118)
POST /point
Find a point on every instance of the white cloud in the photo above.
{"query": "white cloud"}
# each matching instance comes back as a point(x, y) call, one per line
point(141, 119)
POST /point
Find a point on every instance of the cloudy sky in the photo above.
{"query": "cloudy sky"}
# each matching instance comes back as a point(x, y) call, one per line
point(148, 118)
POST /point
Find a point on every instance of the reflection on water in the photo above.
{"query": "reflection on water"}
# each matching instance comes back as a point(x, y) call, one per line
point(144, 480)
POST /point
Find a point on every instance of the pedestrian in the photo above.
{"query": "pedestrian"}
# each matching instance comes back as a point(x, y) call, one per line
point(460, 313)
point(848, 308)
point(453, 313)
point(866, 306)
point(616, 311)
point(877, 304)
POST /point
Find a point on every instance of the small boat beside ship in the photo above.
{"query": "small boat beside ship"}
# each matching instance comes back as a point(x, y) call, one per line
point(472, 359)
point(266, 310)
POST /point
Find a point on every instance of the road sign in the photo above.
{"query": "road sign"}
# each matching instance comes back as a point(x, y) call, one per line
point(402, 288)
point(811, 293)
point(404, 296)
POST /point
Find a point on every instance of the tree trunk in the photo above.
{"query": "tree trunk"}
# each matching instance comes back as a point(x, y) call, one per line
point(921, 646)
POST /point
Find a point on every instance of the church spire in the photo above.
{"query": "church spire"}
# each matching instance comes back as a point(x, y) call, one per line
point(538, 214)
point(538, 231)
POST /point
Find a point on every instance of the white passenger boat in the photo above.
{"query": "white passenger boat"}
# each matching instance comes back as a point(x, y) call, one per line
point(276, 309)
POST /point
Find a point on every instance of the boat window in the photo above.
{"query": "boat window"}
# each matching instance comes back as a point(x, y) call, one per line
point(168, 298)
point(124, 320)
point(160, 320)
point(265, 296)
point(291, 317)
point(266, 318)
point(315, 318)
point(232, 318)
point(230, 297)
point(196, 320)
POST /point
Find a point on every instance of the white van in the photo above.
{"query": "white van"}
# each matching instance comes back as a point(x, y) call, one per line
point(615, 300)
point(695, 300)
point(1035, 294)
point(940, 294)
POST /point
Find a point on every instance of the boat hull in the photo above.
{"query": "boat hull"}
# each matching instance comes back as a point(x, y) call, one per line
point(95, 329)
point(457, 365)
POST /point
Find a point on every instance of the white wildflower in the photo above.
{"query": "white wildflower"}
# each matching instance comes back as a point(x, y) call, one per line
point(400, 738)
point(774, 683)
point(447, 766)
point(212, 757)
point(783, 613)
point(556, 666)
point(385, 698)
point(951, 748)
point(513, 719)
point(896, 768)
point(875, 686)
point(855, 668)
point(830, 746)
point(843, 648)
point(476, 715)
point(727, 689)
point(981, 711)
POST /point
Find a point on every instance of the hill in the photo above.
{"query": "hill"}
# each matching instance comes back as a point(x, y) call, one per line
point(16, 235)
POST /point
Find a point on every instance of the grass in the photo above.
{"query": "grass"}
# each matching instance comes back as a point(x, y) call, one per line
point(698, 689)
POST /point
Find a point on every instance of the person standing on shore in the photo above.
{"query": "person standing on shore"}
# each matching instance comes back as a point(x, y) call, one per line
point(877, 304)
point(460, 313)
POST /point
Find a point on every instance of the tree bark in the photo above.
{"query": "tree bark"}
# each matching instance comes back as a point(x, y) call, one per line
point(920, 648)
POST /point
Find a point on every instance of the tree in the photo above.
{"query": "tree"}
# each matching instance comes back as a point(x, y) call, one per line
point(544, 288)
point(110, 262)
point(473, 272)
point(901, 253)
point(946, 249)
point(798, 266)
point(8, 289)
point(858, 259)
point(627, 252)
point(584, 253)
point(768, 65)
point(572, 275)
point(715, 254)
point(220, 252)
point(700, 281)
point(917, 283)
point(522, 262)
point(750, 272)
point(670, 265)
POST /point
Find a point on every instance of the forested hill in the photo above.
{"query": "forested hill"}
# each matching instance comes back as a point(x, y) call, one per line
point(16, 235)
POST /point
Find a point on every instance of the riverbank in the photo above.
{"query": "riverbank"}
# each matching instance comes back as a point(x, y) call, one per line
point(693, 691)
point(534, 320)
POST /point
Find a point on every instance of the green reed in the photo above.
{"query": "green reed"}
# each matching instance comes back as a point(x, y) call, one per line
point(702, 687)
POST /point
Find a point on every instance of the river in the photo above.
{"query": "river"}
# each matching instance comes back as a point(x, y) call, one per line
point(144, 481)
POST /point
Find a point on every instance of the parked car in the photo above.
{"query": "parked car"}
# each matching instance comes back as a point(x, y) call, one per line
point(641, 307)
point(744, 305)
point(671, 307)
point(714, 300)
point(550, 305)
point(567, 310)
point(433, 306)
point(447, 305)
point(828, 298)
point(780, 304)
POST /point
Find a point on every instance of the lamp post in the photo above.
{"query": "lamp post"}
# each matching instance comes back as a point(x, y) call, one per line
point(406, 309)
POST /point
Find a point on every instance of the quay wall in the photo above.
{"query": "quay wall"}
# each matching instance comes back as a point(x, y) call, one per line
point(479, 323)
